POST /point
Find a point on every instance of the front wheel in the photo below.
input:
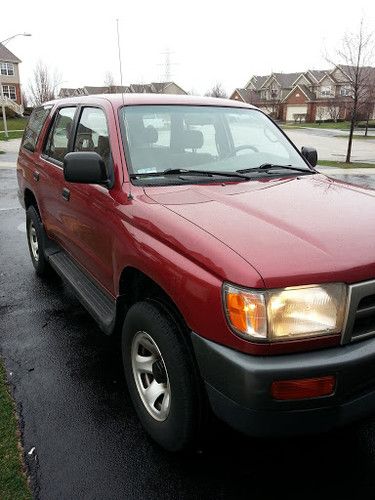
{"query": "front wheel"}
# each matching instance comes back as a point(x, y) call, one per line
point(162, 379)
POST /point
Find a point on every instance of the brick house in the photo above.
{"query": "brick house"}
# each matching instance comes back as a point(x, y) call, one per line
point(313, 95)
point(139, 88)
point(10, 79)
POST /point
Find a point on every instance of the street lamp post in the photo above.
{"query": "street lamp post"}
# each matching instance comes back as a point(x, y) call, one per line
point(3, 111)
point(14, 36)
point(1, 85)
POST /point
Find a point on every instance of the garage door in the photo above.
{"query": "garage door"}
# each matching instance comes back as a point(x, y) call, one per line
point(293, 109)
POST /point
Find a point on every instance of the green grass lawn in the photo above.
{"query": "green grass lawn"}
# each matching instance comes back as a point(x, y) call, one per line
point(13, 483)
point(12, 135)
point(338, 125)
point(342, 164)
point(14, 123)
point(329, 125)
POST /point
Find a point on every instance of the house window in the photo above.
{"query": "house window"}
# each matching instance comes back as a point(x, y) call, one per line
point(274, 93)
point(326, 91)
point(10, 91)
point(7, 69)
point(263, 94)
point(345, 91)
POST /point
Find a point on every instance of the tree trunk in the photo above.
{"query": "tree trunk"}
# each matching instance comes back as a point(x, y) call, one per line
point(352, 125)
point(366, 129)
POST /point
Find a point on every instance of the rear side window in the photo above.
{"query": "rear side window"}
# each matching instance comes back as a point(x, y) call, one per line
point(92, 133)
point(58, 139)
point(34, 127)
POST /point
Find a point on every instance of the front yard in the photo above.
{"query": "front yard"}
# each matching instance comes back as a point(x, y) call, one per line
point(342, 164)
point(329, 125)
point(16, 127)
point(14, 123)
point(12, 134)
point(13, 483)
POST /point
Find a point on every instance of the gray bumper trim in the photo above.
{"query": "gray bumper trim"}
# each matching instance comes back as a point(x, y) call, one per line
point(247, 379)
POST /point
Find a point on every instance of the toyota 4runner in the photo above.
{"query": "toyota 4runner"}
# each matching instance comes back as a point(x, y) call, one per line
point(240, 278)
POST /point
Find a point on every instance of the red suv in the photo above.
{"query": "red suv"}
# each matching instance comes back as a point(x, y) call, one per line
point(240, 278)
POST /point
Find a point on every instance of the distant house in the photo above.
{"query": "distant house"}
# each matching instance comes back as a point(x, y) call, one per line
point(10, 80)
point(312, 95)
point(133, 88)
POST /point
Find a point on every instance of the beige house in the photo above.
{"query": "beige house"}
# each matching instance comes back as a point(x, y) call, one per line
point(312, 95)
point(10, 93)
point(133, 88)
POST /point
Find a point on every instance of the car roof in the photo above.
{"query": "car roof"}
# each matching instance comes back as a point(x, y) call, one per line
point(125, 99)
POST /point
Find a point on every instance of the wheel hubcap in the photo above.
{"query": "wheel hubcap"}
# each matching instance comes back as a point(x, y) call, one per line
point(151, 376)
point(33, 240)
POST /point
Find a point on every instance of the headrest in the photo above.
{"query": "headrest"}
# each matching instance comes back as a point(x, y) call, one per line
point(193, 139)
point(150, 135)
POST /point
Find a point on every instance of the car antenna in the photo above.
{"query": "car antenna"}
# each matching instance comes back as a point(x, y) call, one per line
point(130, 196)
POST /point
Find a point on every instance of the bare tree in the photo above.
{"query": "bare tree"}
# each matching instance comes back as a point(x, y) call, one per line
point(216, 91)
point(333, 109)
point(43, 84)
point(320, 113)
point(356, 55)
point(25, 99)
point(273, 107)
point(369, 102)
point(109, 81)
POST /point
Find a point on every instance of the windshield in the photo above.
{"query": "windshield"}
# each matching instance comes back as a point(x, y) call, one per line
point(204, 138)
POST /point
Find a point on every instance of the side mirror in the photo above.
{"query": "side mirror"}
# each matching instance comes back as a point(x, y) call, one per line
point(311, 155)
point(85, 167)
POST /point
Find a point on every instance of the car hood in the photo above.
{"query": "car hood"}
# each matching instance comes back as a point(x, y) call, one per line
point(293, 231)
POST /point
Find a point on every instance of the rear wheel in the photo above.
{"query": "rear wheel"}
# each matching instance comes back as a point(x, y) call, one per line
point(162, 379)
point(35, 240)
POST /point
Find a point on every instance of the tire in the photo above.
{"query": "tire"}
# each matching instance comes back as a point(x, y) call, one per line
point(174, 418)
point(35, 241)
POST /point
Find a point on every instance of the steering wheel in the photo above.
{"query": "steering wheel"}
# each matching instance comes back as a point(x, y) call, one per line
point(246, 146)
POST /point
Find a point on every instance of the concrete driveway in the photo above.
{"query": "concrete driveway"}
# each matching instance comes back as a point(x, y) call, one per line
point(332, 144)
point(10, 148)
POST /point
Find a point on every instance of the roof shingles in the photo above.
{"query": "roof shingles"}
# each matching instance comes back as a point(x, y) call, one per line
point(7, 56)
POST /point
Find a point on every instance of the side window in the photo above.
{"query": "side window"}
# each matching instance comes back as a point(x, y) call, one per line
point(34, 126)
point(92, 133)
point(57, 144)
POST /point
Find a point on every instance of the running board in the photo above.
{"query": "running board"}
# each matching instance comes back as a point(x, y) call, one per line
point(98, 302)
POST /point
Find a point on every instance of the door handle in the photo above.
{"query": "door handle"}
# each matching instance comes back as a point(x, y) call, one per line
point(36, 175)
point(66, 194)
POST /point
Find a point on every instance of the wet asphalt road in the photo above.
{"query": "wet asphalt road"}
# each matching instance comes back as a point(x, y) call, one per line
point(66, 378)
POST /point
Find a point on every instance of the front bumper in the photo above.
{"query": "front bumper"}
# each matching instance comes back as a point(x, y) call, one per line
point(238, 387)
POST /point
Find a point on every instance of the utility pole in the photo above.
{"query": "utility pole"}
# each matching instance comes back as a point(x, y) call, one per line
point(167, 64)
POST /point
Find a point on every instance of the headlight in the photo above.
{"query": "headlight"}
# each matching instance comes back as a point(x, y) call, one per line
point(287, 313)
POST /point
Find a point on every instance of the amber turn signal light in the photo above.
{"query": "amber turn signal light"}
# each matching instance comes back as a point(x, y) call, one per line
point(303, 388)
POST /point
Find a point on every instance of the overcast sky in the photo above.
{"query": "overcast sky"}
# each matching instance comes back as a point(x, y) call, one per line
point(209, 41)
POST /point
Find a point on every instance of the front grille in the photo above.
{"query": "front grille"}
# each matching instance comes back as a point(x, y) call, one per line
point(360, 320)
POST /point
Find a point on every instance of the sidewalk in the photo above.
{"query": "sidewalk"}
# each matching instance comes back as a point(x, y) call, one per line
point(11, 147)
point(345, 171)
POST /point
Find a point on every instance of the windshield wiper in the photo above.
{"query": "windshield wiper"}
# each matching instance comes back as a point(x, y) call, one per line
point(183, 171)
point(273, 166)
